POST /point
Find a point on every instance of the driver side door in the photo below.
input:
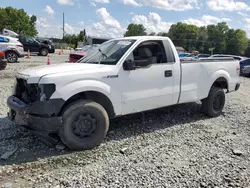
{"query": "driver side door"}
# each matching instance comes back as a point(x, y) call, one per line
point(151, 84)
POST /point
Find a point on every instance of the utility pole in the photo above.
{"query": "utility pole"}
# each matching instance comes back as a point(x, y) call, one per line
point(63, 27)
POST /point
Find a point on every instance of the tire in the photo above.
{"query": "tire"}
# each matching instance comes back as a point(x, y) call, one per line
point(214, 103)
point(44, 52)
point(74, 132)
point(11, 57)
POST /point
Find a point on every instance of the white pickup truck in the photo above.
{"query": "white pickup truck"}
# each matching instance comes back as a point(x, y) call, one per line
point(123, 76)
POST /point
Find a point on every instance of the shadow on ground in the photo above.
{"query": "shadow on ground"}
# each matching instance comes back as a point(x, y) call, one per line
point(32, 148)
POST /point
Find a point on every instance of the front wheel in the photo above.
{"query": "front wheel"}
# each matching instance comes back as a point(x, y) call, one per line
point(11, 57)
point(85, 125)
point(214, 103)
point(44, 52)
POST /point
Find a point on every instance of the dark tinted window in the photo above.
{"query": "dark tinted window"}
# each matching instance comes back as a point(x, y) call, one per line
point(245, 62)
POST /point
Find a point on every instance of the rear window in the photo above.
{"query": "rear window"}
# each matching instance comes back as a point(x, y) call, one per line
point(4, 39)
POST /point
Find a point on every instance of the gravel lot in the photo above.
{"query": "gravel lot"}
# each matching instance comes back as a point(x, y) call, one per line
point(172, 147)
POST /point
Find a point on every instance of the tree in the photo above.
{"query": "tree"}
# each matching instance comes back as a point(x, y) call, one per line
point(217, 37)
point(152, 34)
point(162, 34)
point(237, 42)
point(184, 35)
point(247, 52)
point(135, 30)
point(18, 21)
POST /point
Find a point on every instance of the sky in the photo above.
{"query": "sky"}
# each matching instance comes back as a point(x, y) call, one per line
point(110, 18)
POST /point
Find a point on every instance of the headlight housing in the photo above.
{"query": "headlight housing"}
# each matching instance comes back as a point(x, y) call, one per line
point(46, 91)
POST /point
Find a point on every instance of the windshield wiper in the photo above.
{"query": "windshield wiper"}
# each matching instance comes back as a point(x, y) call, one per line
point(102, 53)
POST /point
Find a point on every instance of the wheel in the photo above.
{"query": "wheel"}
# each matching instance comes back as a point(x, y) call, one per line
point(11, 57)
point(44, 52)
point(214, 103)
point(85, 125)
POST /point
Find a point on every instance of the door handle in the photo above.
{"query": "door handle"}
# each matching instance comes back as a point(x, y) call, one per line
point(168, 73)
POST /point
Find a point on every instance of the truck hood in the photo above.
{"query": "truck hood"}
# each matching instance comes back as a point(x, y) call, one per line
point(35, 73)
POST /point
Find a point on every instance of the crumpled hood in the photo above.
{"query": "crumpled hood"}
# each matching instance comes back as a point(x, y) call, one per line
point(35, 73)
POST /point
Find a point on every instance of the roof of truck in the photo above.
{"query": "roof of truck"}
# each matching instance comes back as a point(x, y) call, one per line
point(144, 37)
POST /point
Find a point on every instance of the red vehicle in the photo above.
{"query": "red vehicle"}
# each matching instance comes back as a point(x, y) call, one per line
point(76, 55)
point(2, 54)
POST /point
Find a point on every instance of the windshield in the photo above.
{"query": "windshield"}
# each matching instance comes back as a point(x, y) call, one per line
point(109, 53)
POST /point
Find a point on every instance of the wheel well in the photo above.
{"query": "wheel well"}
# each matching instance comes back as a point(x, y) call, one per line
point(94, 96)
point(221, 83)
point(8, 51)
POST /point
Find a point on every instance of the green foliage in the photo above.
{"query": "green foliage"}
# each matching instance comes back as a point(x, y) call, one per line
point(191, 37)
point(184, 35)
point(135, 30)
point(18, 21)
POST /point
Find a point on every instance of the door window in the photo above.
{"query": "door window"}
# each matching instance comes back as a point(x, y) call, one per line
point(148, 53)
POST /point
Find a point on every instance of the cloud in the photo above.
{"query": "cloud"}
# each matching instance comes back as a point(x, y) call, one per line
point(93, 4)
point(108, 26)
point(107, 18)
point(206, 20)
point(227, 5)
point(81, 23)
point(65, 2)
point(49, 10)
point(152, 23)
point(47, 29)
point(243, 14)
point(101, 1)
point(174, 5)
point(131, 2)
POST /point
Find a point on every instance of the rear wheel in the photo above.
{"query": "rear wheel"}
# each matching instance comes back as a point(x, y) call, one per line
point(214, 103)
point(85, 125)
point(11, 57)
point(44, 52)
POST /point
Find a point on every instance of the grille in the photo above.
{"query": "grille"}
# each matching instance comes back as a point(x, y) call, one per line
point(27, 92)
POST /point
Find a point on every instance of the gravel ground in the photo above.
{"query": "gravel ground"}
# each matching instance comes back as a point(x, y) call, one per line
point(172, 147)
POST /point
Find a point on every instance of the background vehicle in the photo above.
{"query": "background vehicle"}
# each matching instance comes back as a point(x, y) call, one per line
point(183, 54)
point(122, 76)
point(47, 42)
point(3, 63)
point(12, 48)
point(194, 57)
point(245, 71)
point(78, 54)
point(2, 55)
point(240, 58)
point(31, 44)
point(244, 63)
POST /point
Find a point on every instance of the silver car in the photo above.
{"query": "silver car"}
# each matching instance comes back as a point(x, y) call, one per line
point(12, 48)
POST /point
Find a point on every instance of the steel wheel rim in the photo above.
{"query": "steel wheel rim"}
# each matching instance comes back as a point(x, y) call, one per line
point(84, 125)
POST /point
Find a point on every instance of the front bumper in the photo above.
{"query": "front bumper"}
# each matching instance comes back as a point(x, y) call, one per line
point(37, 116)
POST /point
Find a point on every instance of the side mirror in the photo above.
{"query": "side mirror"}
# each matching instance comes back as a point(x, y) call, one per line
point(129, 65)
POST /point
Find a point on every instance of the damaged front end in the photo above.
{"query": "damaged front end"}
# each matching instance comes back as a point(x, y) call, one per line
point(31, 106)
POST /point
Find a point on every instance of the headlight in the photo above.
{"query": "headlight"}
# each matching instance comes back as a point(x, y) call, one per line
point(46, 91)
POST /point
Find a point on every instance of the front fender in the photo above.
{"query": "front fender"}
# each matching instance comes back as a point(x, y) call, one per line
point(74, 88)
